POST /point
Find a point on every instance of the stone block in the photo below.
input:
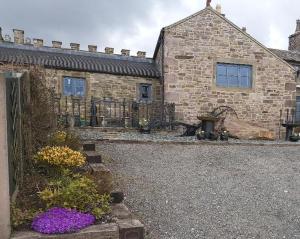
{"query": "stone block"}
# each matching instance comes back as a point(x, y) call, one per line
point(131, 229)
point(93, 157)
point(106, 231)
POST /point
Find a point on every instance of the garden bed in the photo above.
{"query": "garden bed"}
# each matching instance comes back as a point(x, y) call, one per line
point(123, 224)
point(66, 196)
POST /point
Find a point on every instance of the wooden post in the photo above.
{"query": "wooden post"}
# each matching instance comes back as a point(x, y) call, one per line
point(4, 169)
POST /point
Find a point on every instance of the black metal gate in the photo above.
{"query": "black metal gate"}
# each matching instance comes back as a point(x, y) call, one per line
point(14, 95)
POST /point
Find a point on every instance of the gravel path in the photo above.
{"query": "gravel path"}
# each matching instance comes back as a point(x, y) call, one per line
point(211, 191)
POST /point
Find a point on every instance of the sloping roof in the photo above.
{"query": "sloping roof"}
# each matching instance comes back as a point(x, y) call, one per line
point(78, 60)
point(291, 56)
point(226, 20)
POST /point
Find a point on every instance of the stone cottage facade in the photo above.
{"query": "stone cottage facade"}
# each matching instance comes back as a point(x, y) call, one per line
point(195, 47)
point(200, 63)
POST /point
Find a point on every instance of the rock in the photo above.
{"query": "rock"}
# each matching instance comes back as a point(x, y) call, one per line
point(244, 130)
point(120, 211)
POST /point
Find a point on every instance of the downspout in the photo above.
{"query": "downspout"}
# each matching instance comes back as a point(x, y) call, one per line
point(162, 67)
point(163, 72)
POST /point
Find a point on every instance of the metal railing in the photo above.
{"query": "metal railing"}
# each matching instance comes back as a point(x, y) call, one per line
point(107, 112)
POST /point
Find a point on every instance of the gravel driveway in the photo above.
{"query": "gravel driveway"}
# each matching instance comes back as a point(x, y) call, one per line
point(211, 191)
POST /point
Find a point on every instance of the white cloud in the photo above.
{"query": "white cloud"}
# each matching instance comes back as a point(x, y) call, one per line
point(276, 38)
point(135, 24)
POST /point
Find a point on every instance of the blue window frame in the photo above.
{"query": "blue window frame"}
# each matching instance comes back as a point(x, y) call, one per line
point(74, 86)
point(298, 109)
point(234, 75)
point(145, 92)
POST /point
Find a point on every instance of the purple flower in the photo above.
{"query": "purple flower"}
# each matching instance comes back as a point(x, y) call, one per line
point(61, 220)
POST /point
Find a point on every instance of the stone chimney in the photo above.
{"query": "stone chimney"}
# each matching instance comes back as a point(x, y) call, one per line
point(56, 44)
point(141, 54)
point(219, 8)
point(27, 41)
point(38, 42)
point(75, 46)
point(18, 36)
point(7, 38)
point(125, 52)
point(92, 48)
point(294, 40)
point(109, 50)
point(1, 38)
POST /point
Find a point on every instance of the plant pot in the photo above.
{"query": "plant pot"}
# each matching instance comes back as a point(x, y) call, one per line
point(145, 130)
point(200, 136)
point(224, 137)
point(294, 138)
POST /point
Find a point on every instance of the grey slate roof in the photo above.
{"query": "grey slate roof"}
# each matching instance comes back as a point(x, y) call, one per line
point(290, 56)
point(78, 60)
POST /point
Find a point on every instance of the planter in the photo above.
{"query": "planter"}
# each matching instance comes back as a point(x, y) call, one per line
point(224, 137)
point(294, 138)
point(145, 130)
point(200, 136)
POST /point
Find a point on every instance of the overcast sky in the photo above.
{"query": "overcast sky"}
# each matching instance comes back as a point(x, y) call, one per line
point(135, 24)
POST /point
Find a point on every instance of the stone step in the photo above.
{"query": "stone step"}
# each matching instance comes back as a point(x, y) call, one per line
point(89, 147)
point(93, 157)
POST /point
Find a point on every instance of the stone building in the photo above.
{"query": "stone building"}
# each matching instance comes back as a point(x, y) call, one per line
point(201, 62)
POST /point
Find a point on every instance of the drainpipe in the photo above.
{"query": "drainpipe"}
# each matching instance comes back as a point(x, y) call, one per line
point(162, 68)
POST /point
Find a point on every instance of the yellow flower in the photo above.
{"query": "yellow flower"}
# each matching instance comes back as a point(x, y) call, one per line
point(60, 156)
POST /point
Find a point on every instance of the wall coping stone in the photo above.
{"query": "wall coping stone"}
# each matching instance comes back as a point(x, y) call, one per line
point(105, 231)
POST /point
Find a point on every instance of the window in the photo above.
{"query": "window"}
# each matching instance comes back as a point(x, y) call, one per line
point(145, 92)
point(74, 86)
point(298, 109)
point(234, 75)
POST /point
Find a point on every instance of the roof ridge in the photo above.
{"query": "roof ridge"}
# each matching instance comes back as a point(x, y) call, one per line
point(48, 49)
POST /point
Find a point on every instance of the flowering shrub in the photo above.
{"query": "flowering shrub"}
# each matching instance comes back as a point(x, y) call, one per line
point(76, 192)
point(61, 220)
point(63, 138)
point(143, 122)
point(60, 156)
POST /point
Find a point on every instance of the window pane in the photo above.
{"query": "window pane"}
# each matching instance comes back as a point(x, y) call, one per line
point(222, 70)
point(233, 81)
point(244, 71)
point(74, 86)
point(222, 81)
point(245, 83)
point(232, 70)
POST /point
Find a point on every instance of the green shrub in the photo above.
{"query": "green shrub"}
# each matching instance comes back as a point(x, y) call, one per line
point(103, 180)
point(76, 192)
point(65, 138)
point(21, 217)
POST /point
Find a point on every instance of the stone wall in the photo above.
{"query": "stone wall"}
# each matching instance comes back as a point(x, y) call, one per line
point(4, 169)
point(105, 85)
point(195, 45)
